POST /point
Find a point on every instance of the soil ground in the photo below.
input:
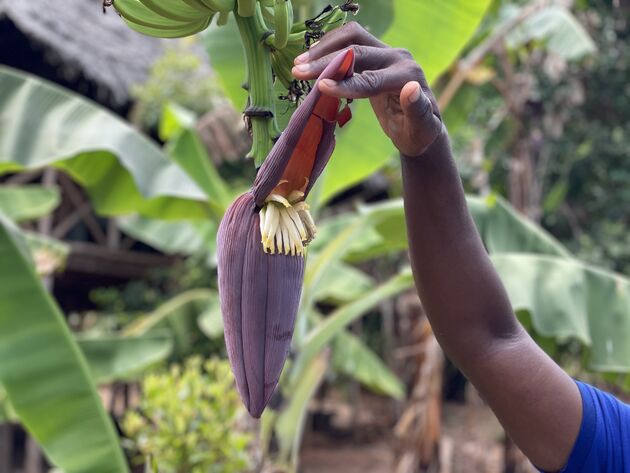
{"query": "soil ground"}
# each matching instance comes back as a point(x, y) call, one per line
point(471, 432)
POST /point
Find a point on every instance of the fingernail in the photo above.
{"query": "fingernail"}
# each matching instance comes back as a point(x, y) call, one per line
point(329, 83)
point(415, 95)
point(314, 44)
point(302, 67)
point(301, 58)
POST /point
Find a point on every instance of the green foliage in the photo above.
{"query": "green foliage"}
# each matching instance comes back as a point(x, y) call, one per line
point(121, 170)
point(591, 155)
point(43, 372)
point(21, 203)
point(116, 358)
point(180, 77)
point(435, 36)
point(187, 420)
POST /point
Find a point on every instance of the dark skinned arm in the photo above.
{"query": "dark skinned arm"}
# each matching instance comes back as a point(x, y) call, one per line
point(539, 405)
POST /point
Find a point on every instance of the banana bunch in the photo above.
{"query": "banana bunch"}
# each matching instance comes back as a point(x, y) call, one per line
point(290, 40)
point(172, 18)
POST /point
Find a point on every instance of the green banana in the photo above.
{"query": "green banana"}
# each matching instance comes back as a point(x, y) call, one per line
point(282, 61)
point(283, 20)
point(176, 10)
point(280, 68)
point(199, 6)
point(223, 18)
point(246, 8)
point(148, 22)
point(136, 13)
point(187, 30)
point(219, 5)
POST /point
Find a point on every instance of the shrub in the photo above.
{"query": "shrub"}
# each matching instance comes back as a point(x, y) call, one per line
point(186, 420)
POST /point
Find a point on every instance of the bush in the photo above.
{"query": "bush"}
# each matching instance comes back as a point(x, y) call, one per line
point(186, 421)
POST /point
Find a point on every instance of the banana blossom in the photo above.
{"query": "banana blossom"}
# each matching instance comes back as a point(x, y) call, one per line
point(262, 242)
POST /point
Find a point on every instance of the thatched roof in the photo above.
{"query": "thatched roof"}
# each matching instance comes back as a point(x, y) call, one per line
point(80, 39)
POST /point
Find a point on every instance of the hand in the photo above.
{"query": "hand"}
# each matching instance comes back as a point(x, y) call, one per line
point(390, 78)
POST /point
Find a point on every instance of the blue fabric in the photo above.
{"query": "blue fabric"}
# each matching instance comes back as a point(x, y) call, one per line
point(603, 445)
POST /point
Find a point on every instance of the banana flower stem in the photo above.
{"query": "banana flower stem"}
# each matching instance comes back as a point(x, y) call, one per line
point(261, 105)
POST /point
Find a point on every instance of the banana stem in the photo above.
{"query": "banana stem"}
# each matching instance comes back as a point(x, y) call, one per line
point(261, 106)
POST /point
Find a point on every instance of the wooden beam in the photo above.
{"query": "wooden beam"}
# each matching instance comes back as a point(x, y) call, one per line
point(89, 258)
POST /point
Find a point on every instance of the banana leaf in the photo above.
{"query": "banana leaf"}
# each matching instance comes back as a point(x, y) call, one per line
point(556, 27)
point(116, 358)
point(184, 237)
point(435, 33)
point(20, 203)
point(122, 171)
point(500, 226)
point(355, 359)
point(570, 300)
point(44, 373)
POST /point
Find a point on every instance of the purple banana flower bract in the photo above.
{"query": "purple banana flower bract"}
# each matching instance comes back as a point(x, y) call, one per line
point(262, 241)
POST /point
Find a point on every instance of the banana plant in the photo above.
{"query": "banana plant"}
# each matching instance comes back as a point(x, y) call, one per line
point(43, 372)
point(558, 297)
point(121, 170)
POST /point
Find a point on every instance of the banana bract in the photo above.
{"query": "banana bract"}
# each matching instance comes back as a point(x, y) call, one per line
point(262, 242)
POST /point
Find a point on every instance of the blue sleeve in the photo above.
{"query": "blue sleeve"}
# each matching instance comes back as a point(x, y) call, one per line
point(603, 444)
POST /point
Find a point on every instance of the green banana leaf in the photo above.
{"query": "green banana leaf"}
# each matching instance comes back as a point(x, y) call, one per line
point(179, 315)
point(570, 300)
point(435, 33)
point(20, 203)
point(122, 171)
point(194, 300)
point(346, 314)
point(44, 374)
point(323, 333)
point(355, 359)
point(556, 27)
point(116, 358)
point(289, 423)
point(501, 228)
point(193, 237)
point(177, 127)
point(211, 320)
point(342, 283)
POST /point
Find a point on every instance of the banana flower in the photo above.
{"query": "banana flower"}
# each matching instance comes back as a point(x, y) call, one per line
point(262, 243)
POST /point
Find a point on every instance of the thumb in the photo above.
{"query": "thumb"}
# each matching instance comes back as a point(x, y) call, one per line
point(417, 107)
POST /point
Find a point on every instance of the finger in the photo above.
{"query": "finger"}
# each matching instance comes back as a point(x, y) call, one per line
point(365, 58)
point(418, 107)
point(371, 83)
point(336, 40)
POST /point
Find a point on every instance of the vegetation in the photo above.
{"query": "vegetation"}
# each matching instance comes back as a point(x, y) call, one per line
point(187, 420)
point(530, 90)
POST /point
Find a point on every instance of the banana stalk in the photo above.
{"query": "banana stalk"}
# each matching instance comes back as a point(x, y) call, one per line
point(261, 109)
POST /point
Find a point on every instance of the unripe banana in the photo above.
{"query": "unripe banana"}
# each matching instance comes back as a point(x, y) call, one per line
point(246, 8)
point(175, 10)
point(148, 22)
point(283, 20)
point(219, 5)
point(199, 6)
point(282, 72)
point(223, 18)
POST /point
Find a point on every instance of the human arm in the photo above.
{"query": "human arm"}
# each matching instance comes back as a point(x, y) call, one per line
point(537, 403)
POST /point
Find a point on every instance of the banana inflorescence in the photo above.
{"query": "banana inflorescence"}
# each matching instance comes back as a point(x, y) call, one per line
point(170, 18)
point(270, 38)
point(288, 43)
